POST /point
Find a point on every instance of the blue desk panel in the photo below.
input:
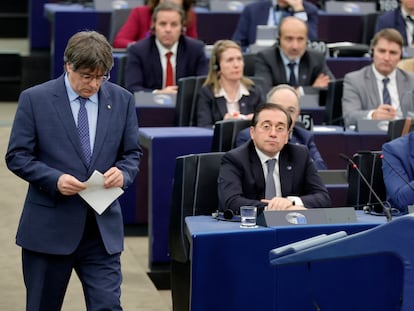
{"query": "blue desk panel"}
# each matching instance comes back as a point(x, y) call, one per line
point(66, 20)
point(162, 145)
point(230, 270)
point(340, 66)
point(339, 27)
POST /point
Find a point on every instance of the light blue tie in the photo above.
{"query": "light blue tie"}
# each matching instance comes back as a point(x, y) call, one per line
point(83, 130)
point(270, 192)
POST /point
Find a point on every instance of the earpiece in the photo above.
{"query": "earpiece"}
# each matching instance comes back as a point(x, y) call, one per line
point(214, 58)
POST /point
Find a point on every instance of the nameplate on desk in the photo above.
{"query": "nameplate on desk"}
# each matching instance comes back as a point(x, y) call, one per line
point(333, 215)
point(366, 125)
point(149, 99)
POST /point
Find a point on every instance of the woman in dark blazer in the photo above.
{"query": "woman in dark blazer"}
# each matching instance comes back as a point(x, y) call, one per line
point(226, 93)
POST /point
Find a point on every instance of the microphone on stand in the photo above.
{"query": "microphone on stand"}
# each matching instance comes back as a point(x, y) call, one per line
point(367, 209)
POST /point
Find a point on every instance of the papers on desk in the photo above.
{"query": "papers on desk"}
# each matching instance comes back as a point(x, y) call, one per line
point(318, 128)
point(96, 195)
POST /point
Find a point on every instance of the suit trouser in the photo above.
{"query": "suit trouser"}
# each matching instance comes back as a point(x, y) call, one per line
point(47, 276)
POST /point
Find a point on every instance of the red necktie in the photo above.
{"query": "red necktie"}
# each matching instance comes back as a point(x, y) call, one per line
point(169, 77)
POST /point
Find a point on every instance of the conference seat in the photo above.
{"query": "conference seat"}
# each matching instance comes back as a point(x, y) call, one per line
point(359, 195)
point(368, 27)
point(187, 95)
point(118, 19)
point(333, 103)
point(401, 127)
point(225, 134)
point(194, 193)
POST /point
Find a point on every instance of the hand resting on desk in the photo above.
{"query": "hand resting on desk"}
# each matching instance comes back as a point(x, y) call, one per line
point(281, 204)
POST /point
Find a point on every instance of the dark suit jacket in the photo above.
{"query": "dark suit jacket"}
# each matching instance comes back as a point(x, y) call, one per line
point(143, 71)
point(257, 13)
point(299, 136)
point(211, 109)
point(241, 180)
point(269, 66)
point(399, 156)
point(44, 144)
point(392, 19)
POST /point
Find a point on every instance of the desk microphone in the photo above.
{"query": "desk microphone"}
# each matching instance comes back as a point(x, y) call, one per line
point(367, 209)
point(228, 214)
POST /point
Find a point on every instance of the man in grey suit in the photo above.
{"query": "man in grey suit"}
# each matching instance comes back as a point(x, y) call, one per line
point(65, 130)
point(379, 91)
point(290, 62)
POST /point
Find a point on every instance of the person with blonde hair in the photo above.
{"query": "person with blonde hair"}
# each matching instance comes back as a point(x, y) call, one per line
point(227, 93)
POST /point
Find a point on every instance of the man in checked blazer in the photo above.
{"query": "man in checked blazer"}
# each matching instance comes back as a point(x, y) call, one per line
point(363, 89)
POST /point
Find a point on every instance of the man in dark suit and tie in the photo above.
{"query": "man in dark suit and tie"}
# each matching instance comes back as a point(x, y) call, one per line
point(242, 174)
point(271, 12)
point(290, 62)
point(401, 19)
point(65, 130)
point(288, 98)
point(148, 67)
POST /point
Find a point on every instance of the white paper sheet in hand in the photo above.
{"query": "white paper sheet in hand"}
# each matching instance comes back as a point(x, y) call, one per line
point(96, 195)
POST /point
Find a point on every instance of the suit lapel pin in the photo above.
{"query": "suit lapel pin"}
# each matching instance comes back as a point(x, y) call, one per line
point(109, 107)
point(289, 168)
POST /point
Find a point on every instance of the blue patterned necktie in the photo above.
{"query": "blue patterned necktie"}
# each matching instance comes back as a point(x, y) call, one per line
point(83, 130)
point(292, 77)
point(385, 94)
point(270, 191)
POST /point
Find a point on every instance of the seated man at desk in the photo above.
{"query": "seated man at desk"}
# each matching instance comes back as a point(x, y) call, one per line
point(288, 98)
point(138, 24)
point(398, 171)
point(156, 63)
point(291, 62)
point(268, 172)
point(271, 12)
point(380, 91)
point(401, 19)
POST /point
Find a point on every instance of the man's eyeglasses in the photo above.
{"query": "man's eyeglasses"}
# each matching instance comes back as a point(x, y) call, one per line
point(99, 78)
point(266, 127)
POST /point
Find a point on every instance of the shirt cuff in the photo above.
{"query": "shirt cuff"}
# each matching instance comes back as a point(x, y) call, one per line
point(301, 15)
point(295, 200)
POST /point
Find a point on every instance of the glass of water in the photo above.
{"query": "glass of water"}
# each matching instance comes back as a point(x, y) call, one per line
point(248, 216)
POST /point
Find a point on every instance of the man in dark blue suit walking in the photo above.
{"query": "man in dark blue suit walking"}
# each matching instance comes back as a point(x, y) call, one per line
point(59, 231)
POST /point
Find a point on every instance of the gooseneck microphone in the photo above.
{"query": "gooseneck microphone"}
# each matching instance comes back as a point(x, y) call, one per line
point(386, 210)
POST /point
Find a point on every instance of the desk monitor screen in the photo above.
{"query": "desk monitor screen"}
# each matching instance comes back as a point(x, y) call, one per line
point(366, 125)
point(309, 100)
point(228, 5)
point(347, 7)
point(266, 35)
point(110, 5)
point(154, 100)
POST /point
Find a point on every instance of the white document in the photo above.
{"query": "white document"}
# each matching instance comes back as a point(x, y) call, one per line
point(96, 195)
